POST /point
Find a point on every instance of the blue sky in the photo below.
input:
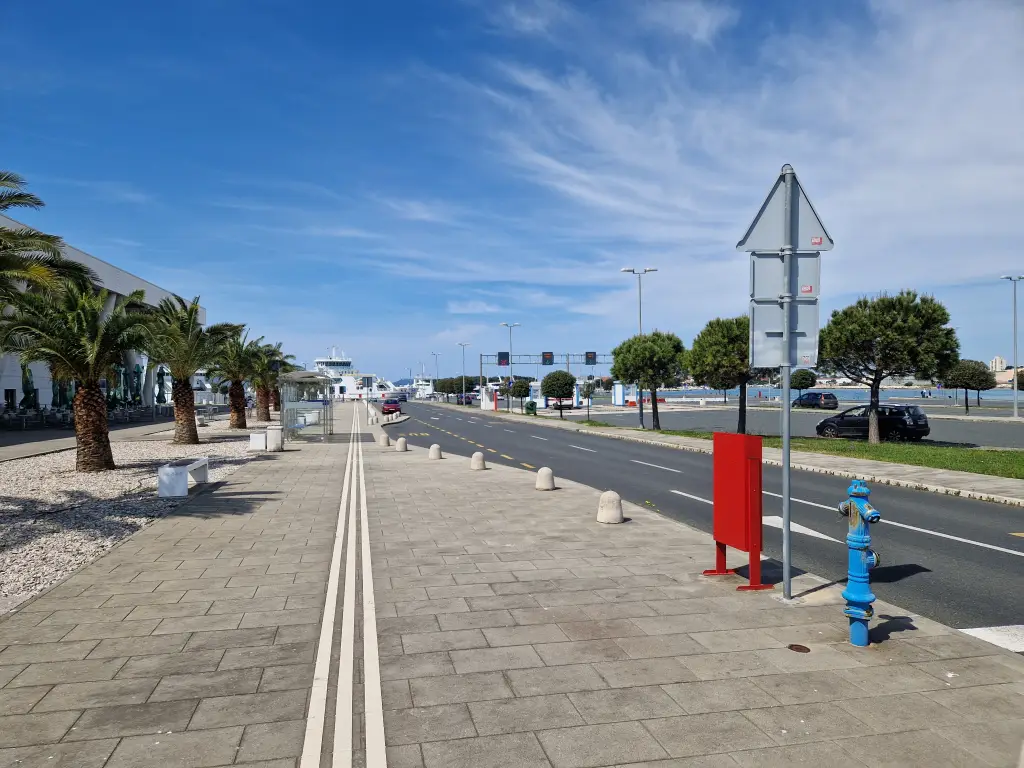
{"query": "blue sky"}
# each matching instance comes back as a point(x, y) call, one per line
point(394, 177)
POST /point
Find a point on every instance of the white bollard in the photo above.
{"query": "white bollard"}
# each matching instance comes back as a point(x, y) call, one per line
point(258, 441)
point(609, 509)
point(401, 446)
point(275, 438)
point(545, 479)
point(384, 441)
point(477, 462)
point(435, 452)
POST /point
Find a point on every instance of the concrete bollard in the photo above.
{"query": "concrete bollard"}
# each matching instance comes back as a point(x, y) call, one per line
point(477, 462)
point(609, 509)
point(384, 441)
point(401, 445)
point(545, 479)
point(275, 438)
point(435, 452)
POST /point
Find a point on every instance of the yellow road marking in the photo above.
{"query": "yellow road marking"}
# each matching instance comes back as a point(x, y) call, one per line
point(528, 466)
point(504, 456)
point(1018, 534)
point(490, 449)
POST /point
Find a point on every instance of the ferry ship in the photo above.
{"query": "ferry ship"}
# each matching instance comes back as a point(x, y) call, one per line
point(347, 381)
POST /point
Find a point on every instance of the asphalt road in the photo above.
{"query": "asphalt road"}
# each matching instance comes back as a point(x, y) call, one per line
point(961, 584)
point(766, 421)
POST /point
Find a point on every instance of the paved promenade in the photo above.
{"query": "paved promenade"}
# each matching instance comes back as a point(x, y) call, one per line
point(472, 622)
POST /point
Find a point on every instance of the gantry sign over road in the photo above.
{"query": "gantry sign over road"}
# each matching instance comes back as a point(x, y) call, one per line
point(785, 242)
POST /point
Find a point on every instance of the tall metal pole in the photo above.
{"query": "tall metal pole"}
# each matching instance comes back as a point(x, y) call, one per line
point(1015, 389)
point(640, 311)
point(786, 299)
point(437, 370)
point(508, 398)
point(463, 344)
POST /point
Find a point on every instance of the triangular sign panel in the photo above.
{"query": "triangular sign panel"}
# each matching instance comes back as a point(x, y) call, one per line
point(767, 232)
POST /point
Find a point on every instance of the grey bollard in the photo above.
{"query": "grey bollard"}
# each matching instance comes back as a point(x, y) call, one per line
point(401, 446)
point(545, 479)
point(609, 509)
point(435, 452)
point(477, 462)
point(384, 440)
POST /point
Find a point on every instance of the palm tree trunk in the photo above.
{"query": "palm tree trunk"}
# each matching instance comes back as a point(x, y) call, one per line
point(236, 398)
point(275, 399)
point(92, 434)
point(184, 413)
point(262, 404)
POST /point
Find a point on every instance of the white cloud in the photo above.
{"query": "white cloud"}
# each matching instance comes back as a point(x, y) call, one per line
point(701, 21)
point(471, 308)
point(421, 210)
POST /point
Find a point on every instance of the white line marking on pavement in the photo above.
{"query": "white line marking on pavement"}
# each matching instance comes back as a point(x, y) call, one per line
point(510, 430)
point(435, 418)
point(538, 438)
point(313, 740)
point(775, 521)
point(581, 448)
point(373, 705)
point(912, 528)
point(656, 466)
point(487, 425)
point(695, 498)
point(1010, 637)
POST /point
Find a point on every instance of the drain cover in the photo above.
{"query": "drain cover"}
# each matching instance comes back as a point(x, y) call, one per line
point(799, 648)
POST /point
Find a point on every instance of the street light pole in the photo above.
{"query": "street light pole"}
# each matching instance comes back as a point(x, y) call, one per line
point(640, 312)
point(1013, 382)
point(510, 326)
point(463, 344)
point(437, 373)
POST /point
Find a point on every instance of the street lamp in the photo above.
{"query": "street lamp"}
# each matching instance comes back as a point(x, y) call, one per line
point(437, 374)
point(463, 344)
point(640, 304)
point(1014, 279)
point(510, 326)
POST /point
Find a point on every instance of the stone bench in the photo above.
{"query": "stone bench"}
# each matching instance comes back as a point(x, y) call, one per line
point(172, 478)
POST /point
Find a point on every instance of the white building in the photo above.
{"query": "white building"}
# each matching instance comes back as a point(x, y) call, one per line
point(997, 364)
point(138, 373)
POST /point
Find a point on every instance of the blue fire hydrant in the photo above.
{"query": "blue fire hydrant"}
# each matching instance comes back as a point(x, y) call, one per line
point(862, 559)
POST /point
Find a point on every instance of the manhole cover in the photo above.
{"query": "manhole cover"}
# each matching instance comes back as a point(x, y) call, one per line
point(799, 648)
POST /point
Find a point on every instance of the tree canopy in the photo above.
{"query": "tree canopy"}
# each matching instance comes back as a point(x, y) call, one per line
point(875, 338)
point(968, 375)
point(803, 379)
point(652, 360)
point(720, 359)
point(560, 385)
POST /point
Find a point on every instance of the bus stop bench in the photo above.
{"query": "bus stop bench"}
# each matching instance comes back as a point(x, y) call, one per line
point(172, 478)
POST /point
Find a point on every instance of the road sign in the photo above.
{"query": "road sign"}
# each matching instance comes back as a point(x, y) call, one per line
point(768, 276)
point(503, 358)
point(590, 358)
point(547, 358)
point(767, 232)
point(767, 340)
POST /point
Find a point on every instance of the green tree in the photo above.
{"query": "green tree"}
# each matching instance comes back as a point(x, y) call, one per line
point(179, 340)
point(236, 363)
point(71, 331)
point(520, 389)
point(652, 360)
point(803, 379)
point(968, 375)
point(587, 391)
point(607, 383)
point(901, 335)
point(270, 363)
point(720, 360)
point(560, 385)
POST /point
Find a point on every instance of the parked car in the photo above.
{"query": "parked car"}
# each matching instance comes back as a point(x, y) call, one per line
point(391, 406)
point(895, 422)
point(467, 400)
point(403, 397)
point(824, 400)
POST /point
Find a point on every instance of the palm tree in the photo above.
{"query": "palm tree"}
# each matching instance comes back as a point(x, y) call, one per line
point(236, 363)
point(270, 364)
point(29, 257)
point(181, 342)
point(70, 331)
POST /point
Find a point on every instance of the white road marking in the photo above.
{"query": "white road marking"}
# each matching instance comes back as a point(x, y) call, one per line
point(343, 709)
point(656, 466)
point(435, 418)
point(695, 498)
point(511, 430)
point(1010, 637)
point(313, 740)
point(912, 528)
point(538, 438)
point(487, 425)
point(775, 521)
point(581, 448)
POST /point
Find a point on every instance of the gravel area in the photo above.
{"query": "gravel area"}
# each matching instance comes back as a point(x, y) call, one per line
point(54, 520)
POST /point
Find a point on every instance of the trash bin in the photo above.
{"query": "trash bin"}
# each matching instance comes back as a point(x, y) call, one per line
point(531, 408)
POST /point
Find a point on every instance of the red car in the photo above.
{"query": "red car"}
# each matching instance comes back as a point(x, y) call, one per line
point(391, 406)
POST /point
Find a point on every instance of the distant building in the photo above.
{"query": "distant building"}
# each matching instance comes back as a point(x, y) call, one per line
point(997, 364)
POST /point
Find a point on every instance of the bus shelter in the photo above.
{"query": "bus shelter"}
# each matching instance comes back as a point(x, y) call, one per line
point(306, 406)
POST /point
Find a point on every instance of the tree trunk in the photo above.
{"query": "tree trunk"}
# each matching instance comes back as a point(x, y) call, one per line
point(725, 396)
point(967, 401)
point(655, 421)
point(92, 434)
point(262, 404)
point(873, 436)
point(184, 412)
point(275, 399)
point(979, 398)
point(561, 411)
point(741, 421)
point(236, 400)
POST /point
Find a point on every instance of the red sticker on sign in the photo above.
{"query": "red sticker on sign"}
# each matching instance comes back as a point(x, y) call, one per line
point(815, 241)
point(806, 289)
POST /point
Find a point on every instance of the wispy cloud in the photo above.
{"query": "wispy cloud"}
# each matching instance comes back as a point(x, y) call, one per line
point(110, 191)
point(421, 210)
point(471, 308)
point(695, 19)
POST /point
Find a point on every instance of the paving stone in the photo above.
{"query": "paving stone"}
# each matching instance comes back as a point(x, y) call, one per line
point(42, 652)
point(620, 704)
point(415, 665)
point(245, 709)
point(162, 664)
point(231, 638)
point(898, 750)
point(443, 641)
point(406, 756)
point(736, 640)
point(191, 749)
point(168, 611)
point(139, 646)
point(815, 755)
point(892, 678)
point(951, 646)
point(151, 598)
point(18, 701)
point(423, 724)
point(195, 686)
point(980, 670)
point(86, 616)
point(621, 674)
point(410, 625)
point(983, 703)
point(271, 741)
point(996, 743)
point(267, 655)
point(807, 687)
point(9, 672)
point(581, 652)
point(425, 607)
point(102, 631)
point(258, 604)
point(83, 754)
point(35, 728)
point(604, 611)
point(707, 733)
point(674, 625)
point(590, 746)
point(456, 689)
point(198, 623)
point(536, 682)
point(490, 659)
point(513, 715)
point(900, 712)
point(98, 694)
point(518, 750)
point(48, 673)
point(132, 720)
point(596, 630)
point(820, 657)
point(654, 646)
point(526, 616)
point(524, 635)
point(796, 723)
point(395, 694)
point(719, 695)
point(33, 635)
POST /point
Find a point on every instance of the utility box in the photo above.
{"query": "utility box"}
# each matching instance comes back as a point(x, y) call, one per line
point(618, 393)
